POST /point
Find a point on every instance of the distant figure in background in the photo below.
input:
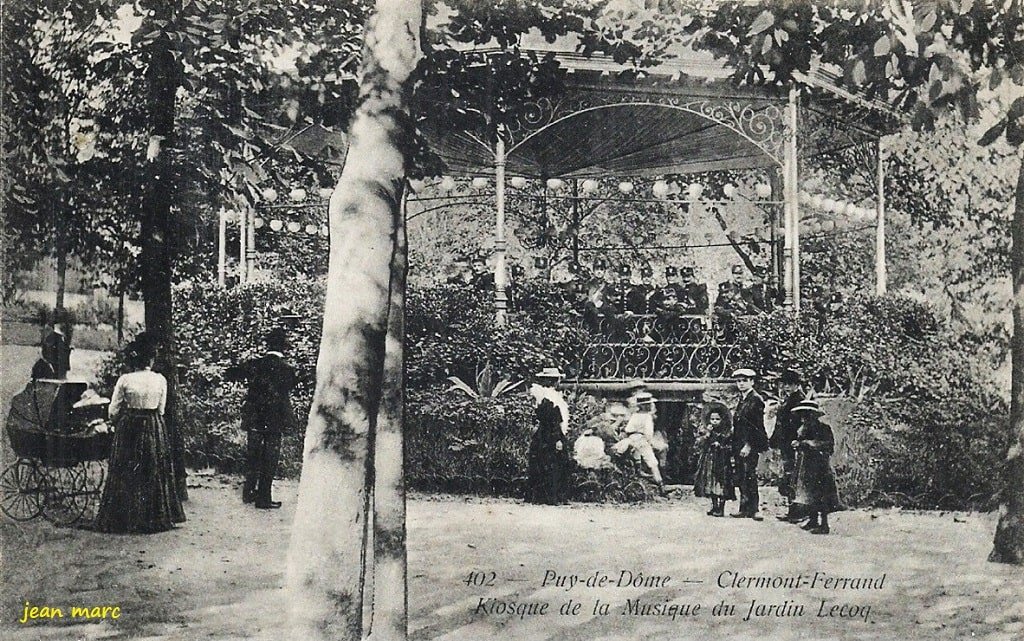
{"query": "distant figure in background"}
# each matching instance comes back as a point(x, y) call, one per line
point(639, 436)
point(714, 467)
point(748, 441)
point(549, 464)
point(786, 425)
point(266, 413)
point(56, 350)
point(816, 490)
point(139, 495)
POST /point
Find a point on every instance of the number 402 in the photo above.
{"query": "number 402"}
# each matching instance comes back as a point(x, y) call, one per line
point(485, 579)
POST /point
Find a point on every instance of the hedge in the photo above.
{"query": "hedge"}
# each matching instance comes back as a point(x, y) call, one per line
point(921, 429)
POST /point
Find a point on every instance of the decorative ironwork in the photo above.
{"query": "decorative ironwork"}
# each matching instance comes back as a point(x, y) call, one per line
point(675, 362)
point(760, 121)
point(654, 328)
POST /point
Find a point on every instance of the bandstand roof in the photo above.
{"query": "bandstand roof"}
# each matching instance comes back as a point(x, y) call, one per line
point(684, 116)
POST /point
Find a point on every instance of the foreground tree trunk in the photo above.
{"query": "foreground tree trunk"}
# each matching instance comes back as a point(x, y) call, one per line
point(1008, 546)
point(327, 562)
point(389, 597)
point(157, 232)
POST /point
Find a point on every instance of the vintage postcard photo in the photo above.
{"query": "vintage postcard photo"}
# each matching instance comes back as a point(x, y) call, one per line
point(539, 320)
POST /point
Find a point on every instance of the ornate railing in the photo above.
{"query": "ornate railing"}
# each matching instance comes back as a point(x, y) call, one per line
point(657, 347)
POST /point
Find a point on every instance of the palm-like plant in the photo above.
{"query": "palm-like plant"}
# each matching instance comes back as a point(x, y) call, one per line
point(485, 385)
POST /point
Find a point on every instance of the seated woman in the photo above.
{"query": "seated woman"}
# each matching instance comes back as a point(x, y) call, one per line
point(639, 435)
point(714, 466)
point(816, 492)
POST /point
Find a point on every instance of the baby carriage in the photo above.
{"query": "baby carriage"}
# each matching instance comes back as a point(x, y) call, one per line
point(59, 435)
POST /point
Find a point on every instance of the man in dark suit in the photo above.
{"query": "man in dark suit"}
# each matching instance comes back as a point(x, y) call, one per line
point(748, 441)
point(266, 413)
point(786, 426)
point(693, 295)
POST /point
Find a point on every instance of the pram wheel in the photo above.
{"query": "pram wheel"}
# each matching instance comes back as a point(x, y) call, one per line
point(21, 486)
point(66, 496)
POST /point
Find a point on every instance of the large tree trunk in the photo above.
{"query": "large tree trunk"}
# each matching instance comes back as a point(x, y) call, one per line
point(389, 597)
point(328, 559)
point(157, 231)
point(1008, 546)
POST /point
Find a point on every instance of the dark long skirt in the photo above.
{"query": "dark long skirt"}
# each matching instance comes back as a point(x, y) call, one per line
point(549, 474)
point(714, 474)
point(139, 495)
point(816, 489)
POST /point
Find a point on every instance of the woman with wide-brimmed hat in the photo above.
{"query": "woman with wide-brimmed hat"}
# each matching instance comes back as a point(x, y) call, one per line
point(550, 464)
point(816, 491)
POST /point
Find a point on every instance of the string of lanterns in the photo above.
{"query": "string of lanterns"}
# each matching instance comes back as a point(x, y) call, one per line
point(661, 189)
point(846, 214)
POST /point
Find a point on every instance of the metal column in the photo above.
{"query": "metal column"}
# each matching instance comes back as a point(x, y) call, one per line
point(222, 246)
point(250, 244)
point(242, 238)
point(791, 196)
point(500, 271)
point(881, 277)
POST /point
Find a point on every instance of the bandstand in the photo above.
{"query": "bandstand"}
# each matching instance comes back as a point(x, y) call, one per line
point(682, 117)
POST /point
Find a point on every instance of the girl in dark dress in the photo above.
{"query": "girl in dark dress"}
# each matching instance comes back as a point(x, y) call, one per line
point(816, 492)
point(139, 495)
point(714, 465)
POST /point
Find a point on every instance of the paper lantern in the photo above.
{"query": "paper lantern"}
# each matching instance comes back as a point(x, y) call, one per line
point(518, 182)
point(324, 231)
point(257, 222)
point(626, 187)
point(674, 188)
point(276, 225)
point(867, 213)
point(817, 201)
point(554, 184)
point(297, 195)
point(589, 186)
point(479, 182)
point(850, 210)
point(805, 198)
point(831, 205)
point(447, 184)
point(293, 227)
point(269, 194)
point(659, 189)
point(694, 190)
point(729, 190)
point(311, 229)
point(325, 193)
point(763, 190)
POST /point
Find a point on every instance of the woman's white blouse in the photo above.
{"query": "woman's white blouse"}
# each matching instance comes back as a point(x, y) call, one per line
point(145, 390)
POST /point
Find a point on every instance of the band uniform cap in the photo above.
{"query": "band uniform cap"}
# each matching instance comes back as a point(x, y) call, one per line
point(646, 271)
point(549, 372)
point(671, 271)
point(625, 270)
point(686, 271)
point(809, 405)
point(737, 269)
point(744, 372)
point(790, 377)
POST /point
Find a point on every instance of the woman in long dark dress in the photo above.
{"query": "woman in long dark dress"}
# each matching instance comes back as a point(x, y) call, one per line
point(139, 496)
point(816, 491)
point(550, 465)
point(714, 466)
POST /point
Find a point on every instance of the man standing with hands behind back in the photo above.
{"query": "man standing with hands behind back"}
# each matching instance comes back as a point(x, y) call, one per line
point(749, 440)
point(266, 413)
